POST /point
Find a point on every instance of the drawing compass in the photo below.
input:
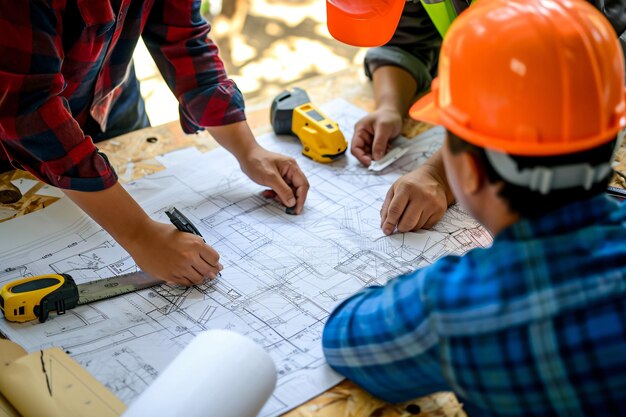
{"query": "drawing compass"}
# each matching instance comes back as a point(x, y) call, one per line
point(33, 298)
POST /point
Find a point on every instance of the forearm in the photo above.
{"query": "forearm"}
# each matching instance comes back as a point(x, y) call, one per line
point(435, 168)
point(115, 210)
point(394, 88)
point(158, 248)
point(237, 138)
point(381, 338)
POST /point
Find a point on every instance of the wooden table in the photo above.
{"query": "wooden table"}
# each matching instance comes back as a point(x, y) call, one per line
point(133, 156)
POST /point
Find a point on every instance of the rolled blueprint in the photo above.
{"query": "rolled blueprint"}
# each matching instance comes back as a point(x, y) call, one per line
point(220, 373)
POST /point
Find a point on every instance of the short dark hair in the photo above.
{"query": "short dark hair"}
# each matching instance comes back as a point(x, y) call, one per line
point(528, 203)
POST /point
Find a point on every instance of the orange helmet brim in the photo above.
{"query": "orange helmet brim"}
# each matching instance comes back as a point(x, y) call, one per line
point(425, 110)
point(363, 22)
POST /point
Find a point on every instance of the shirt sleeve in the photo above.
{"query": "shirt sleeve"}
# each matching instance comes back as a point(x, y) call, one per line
point(413, 47)
point(384, 339)
point(37, 130)
point(176, 36)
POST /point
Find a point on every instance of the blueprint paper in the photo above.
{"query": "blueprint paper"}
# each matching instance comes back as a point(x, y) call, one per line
point(282, 274)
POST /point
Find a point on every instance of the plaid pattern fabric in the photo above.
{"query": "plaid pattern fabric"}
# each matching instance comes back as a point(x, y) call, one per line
point(66, 62)
point(534, 325)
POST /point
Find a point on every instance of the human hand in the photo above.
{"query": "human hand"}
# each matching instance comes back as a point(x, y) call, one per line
point(281, 173)
point(166, 253)
point(417, 200)
point(372, 134)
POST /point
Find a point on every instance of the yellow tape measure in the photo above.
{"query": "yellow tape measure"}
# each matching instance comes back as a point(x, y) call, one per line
point(31, 298)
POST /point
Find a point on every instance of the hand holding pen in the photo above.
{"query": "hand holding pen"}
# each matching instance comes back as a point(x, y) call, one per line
point(182, 223)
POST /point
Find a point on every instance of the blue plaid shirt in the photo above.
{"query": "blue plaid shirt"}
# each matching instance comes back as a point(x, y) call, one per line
point(533, 325)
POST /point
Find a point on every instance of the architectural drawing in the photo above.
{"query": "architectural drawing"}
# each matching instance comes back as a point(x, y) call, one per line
point(282, 274)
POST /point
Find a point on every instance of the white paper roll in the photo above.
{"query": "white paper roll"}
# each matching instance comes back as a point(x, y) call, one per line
point(220, 373)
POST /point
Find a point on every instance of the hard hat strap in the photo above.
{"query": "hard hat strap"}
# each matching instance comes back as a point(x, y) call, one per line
point(545, 179)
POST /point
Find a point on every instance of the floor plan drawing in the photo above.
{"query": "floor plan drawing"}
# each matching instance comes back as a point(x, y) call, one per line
point(282, 274)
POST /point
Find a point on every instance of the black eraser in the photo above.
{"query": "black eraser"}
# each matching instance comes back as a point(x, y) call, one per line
point(290, 210)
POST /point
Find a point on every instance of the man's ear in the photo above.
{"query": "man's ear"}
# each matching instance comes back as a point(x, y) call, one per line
point(473, 174)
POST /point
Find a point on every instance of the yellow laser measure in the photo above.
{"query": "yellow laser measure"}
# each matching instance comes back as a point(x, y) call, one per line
point(293, 114)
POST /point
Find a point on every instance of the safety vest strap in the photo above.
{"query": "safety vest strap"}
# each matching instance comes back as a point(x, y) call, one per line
point(443, 12)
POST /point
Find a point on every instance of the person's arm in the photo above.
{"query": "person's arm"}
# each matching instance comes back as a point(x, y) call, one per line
point(281, 173)
point(399, 70)
point(37, 130)
point(158, 249)
point(417, 200)
point(394, 92)
point(39, 134)
point(383, 339)
point(615, 12)
point(176, 35)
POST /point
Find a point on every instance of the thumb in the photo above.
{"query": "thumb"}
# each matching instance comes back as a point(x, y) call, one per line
point(381, 138)
point(282, 190)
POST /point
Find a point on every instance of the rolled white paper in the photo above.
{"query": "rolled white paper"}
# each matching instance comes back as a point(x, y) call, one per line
point(220, 373)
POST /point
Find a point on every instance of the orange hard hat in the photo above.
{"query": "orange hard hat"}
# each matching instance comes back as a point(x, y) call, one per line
point(363, 22)
point(530, 78)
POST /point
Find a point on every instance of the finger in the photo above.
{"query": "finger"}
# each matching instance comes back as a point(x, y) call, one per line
point(206, 270)
point(360, 147)
point(210, 256)
point(282, 190)
point(365, 125)
point(268, 193)
point(301, 193)
point(433, 220)
point(299, 184)
point(363, 133)
point(271, 194)
point(394, 212)
point(381, 139)
point(181, 280)
point(385, 207)
point(362, 156)
point(193, 275)
point(413, 217)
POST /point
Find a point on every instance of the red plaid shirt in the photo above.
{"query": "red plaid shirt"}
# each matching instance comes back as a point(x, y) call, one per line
point(63, 62)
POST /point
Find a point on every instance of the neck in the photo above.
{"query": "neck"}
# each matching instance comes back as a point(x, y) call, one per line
point(493, 212)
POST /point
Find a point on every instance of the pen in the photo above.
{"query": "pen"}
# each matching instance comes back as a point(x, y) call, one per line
point(182, 223)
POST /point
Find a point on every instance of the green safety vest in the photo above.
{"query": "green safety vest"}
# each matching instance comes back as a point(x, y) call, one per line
point(443, 12)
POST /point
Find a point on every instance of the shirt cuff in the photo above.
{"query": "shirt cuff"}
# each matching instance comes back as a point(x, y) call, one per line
point(391, 55)
point(84, 168)
point(217, 106)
